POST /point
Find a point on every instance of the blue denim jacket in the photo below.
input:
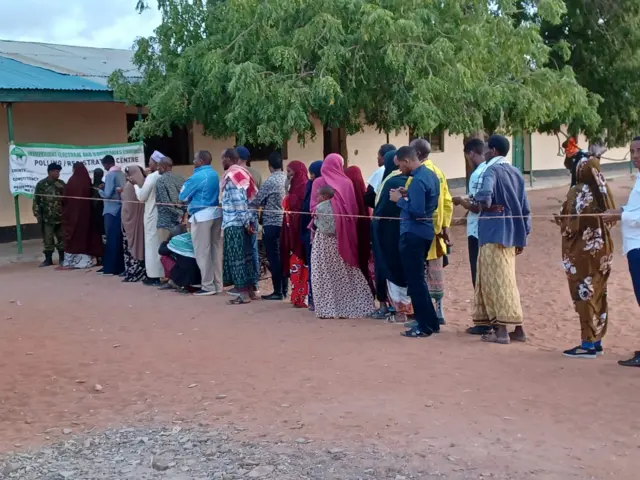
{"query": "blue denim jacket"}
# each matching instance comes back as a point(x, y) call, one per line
point(201, 190)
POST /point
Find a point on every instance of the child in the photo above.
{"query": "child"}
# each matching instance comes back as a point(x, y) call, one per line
point(324, 221)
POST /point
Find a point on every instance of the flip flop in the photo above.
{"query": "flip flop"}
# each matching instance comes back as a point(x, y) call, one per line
point(415, 333)
point(238, 300)
point(493, 338)
point(513, 338)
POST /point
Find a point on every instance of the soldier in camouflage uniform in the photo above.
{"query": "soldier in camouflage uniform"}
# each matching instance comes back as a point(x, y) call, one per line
point(48, 210)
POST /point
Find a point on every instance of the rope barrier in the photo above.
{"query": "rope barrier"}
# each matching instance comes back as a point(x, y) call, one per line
point(372, 217)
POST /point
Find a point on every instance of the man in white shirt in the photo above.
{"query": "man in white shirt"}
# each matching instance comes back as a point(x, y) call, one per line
point(629, 216)
point(376, 178)
point(474, 152)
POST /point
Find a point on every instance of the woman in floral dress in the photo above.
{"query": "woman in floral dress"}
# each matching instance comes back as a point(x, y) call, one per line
point(587, 253)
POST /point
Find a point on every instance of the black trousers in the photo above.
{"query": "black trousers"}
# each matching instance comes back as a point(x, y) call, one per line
point(271, 239)
point(473, 257)
point(633, 257)
point(413, 252)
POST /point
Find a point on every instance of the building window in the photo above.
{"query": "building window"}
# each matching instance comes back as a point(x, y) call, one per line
point(260, 151)
point(175, 146)
point(436, 139)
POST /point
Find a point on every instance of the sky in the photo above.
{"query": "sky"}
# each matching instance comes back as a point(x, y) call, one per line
point(90, 23)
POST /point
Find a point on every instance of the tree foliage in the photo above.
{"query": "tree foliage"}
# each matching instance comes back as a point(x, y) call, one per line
point(600, 41)
point(261, 69)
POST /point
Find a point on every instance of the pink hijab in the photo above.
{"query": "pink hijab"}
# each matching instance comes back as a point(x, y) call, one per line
point(342, 203)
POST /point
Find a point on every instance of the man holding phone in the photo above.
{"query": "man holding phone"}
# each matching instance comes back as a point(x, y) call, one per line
point(417, 205)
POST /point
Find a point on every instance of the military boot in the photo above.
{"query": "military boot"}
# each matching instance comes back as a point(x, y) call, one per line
point(61, 256)
point(48, 260)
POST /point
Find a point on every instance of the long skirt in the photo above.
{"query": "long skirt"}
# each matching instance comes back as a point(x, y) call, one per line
point(299, 276)
point(435, 282)
point(77, 260)
point(113, 262)
point(134, 269)
point(238, 267)
point(588, 268)
point(497, 299)
point(339, 289)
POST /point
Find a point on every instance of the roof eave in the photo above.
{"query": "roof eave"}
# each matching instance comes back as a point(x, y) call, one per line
point(50, 96)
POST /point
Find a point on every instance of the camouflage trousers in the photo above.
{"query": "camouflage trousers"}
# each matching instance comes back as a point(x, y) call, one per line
point(52, 237)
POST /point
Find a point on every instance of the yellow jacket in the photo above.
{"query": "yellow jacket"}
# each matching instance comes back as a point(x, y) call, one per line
point(443, 214)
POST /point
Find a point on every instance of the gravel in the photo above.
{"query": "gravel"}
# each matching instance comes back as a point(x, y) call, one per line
point(198, 453)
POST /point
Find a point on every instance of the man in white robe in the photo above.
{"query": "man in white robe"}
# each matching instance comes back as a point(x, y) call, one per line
point(147, 194)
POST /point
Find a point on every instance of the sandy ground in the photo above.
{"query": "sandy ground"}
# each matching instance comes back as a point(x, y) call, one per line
point(520, 410)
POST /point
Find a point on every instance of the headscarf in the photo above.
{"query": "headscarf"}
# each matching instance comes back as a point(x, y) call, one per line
point(315, 168)
point(98, 175)
point(133, 214)
point(363, 225)
point(343, 203)
point(241, 178)
point(389, 164)
point(305, 218)
point(290, 238)
point(80, 236)
point(390, 169)
point(573, 155)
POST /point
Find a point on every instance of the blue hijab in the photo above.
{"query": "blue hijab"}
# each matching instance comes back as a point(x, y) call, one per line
point(314, 169)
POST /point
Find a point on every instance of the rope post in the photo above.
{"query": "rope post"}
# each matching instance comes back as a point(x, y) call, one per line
point(16, 203)
point(530, 161)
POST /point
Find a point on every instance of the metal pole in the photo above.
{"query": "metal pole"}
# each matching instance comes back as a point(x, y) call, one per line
point(530, 161)
point(16, 203)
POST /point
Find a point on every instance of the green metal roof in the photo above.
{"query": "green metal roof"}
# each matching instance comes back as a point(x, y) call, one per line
point(15, 75)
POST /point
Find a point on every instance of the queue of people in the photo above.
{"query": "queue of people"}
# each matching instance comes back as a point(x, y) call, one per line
point(200, 235)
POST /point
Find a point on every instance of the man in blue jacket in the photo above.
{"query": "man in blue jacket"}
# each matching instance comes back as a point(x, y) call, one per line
point(201, 192)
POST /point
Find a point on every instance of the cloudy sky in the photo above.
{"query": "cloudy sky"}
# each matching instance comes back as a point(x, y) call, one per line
point(92, 23)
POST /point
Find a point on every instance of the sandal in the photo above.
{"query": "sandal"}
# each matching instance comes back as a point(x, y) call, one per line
point(415, 333)
point(493, 338)
point(238, 300)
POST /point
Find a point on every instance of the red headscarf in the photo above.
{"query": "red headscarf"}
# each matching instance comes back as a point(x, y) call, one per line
point(79, 236)
point(363, 224)
point(291, 236)
point(343, 203)
point(241, 178)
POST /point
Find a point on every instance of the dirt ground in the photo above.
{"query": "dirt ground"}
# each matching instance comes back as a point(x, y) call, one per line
point(521, 410)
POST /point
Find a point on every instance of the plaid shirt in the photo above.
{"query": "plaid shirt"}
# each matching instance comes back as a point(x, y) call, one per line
point(235, 207)
point(168, 191)
point(270, 197)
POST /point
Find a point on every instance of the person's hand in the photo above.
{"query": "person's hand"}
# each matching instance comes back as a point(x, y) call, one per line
point(101, 187)
point(118, 189)
point(403, 191)
point(250, 228)
point(557, 219)
point(519, 250)
point(457, 201)
point(612, 216)
point(395, 194)
point(445, 236)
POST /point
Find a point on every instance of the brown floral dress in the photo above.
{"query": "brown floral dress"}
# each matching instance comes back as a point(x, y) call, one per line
point(587, 248)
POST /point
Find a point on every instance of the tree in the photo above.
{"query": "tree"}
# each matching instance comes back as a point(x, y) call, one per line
point(600, 41)
point(261, 69)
